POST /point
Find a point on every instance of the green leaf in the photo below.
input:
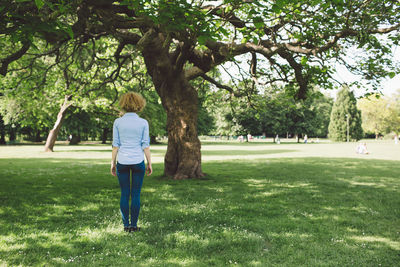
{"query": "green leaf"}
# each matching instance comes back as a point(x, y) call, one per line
point(276, 9)
point(391, 75)
point(258, 22)
point(39, 4)
point(252, 12)
point(202, 39)
point(228, 9)
point(280, 3)
point(61, 28)
point(303, 60)
point(223, 31)
point(68, 29)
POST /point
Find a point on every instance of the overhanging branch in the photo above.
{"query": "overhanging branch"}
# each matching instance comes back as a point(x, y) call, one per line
point(301, 80)
point(222, 86)
point(6, 61)
point(313, 50)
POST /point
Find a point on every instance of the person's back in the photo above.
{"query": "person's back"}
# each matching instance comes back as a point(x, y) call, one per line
point(131, 137)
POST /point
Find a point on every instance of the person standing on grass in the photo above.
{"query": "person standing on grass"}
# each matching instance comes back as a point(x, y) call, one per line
point(131, 142)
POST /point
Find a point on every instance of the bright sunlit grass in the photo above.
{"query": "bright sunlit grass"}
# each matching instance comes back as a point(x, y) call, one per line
point(260, 205)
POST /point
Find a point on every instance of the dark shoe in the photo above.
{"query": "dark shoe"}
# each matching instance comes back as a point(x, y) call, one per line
point(127, 229)
point(134, 229)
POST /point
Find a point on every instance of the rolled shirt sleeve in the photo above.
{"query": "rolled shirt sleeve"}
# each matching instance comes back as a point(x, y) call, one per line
point(116, 141)
point(146, 137)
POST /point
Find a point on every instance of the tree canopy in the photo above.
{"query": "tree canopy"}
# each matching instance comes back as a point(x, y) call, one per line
point(380, 115)
point(297, 40)
point(295, 43)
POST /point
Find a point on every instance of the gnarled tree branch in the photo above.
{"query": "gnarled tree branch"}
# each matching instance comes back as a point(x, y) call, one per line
point(219, 85)
point(15, 56)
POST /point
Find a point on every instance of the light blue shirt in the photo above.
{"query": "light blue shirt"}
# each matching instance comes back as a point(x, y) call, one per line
point(131, 135)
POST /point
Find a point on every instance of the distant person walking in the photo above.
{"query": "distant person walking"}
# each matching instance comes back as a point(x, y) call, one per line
point(131, 143)
point(396, 139)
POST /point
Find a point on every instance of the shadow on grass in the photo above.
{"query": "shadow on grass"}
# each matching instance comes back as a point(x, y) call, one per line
point(237, 143)
point(204, 152)
point(58, 143)
point(314, 211)
point(83, 150)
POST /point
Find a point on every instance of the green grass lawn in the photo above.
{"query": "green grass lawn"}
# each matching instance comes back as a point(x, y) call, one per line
point(260, 205)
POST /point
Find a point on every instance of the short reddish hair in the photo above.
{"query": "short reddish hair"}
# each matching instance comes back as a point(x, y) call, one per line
point(132, 102)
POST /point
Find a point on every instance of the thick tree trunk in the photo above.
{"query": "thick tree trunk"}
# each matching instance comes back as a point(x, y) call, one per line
point(37, 136)
point(75, 139)
point(52, 137)
point(104, 135)
point(153, 139)
point(2, 132)
point(183, 157)
point(2, 137)
point(179, 99)
point(12, 134)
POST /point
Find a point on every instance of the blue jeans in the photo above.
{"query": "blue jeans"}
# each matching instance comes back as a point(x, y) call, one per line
point(124, 174)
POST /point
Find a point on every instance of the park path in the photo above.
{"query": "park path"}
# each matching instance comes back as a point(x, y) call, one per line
point(384, 150)
point(378, 150)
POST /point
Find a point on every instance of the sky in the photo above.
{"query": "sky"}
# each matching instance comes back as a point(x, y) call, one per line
point(342, 75)
point(388, 86)
point(391, 85)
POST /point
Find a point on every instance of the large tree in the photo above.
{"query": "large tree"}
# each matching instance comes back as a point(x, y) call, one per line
point(394, 107)
point(284, 41)
point(2, 131)
point(380, 114)
point(376, 113)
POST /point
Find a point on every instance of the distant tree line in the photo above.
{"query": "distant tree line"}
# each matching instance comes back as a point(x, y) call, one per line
point(270, 113)
point(380, 114)
point(373, 115)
